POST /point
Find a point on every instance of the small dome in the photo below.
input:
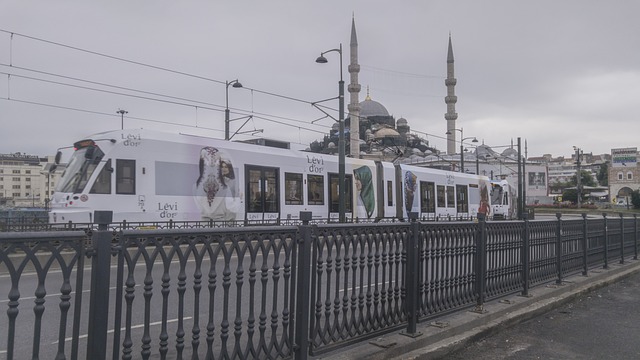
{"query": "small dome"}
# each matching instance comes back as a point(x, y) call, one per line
point(510, 152)
point(401, 122)
point(386, 132)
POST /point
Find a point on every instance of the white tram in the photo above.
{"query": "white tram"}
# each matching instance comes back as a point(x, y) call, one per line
point(146, 176)
point(503, 200)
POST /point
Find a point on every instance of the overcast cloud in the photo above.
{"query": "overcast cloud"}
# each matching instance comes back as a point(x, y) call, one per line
point(554, 73)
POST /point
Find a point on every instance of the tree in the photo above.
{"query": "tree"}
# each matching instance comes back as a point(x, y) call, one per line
point(635, 199)
point(603, 175)
point(570, 195)
point(585, 179)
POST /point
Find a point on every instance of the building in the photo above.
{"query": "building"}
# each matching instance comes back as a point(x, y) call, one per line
point(624, 174)
point(25, 180)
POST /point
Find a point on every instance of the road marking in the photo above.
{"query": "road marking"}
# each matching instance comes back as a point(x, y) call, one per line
point(124, 329)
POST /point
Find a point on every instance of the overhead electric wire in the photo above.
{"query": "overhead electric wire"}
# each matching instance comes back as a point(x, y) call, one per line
point(191, 103)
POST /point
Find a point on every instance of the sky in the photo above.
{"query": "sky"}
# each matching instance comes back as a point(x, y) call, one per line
point(556, 74)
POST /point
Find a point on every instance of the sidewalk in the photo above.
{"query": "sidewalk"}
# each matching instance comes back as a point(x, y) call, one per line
point(455, 331)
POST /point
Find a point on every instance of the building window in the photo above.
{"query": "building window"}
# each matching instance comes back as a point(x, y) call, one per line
point(16, 179)
point(27, 179)
point(629, 175)
point(16, 194)
point(27, 171)
point(27, 186)
point(619, 176)
point(16, 171)
point(16, 187)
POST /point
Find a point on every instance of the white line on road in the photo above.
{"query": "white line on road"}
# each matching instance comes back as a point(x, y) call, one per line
point(124, 329)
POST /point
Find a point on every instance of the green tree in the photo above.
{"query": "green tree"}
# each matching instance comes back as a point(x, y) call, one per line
point(603, 175)
point(570, 195)
point(585, 179)
point(635, 199)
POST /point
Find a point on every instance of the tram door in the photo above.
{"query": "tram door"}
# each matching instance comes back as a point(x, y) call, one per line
point(263, 194)
point(334, 198)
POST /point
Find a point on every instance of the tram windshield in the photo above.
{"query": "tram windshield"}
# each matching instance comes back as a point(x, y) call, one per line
point(81, 166)
point(496, 195)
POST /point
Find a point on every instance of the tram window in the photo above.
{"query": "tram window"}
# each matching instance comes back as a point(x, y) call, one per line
point(103, 181)
point(441, 197)
point(451, 197)
point(427, 195)
point(334, 199)
point(293, 189)
point(262, 189)
point(255, 191)
point(462, 198)
point(315, 189)
point(389, 193)
point(125, 177)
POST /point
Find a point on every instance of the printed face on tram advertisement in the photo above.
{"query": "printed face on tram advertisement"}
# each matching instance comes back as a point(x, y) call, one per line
point(216, 189)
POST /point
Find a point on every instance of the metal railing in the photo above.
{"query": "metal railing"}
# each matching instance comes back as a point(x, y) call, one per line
point(272, 292)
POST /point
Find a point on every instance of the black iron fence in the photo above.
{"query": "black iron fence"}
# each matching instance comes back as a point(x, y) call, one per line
point(275, 292)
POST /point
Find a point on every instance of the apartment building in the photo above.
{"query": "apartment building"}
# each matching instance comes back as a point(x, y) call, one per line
point(25, 180)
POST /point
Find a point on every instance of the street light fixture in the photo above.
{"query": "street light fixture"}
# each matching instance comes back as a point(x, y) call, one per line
point(462, 139)
point(341, 156)
point(236, 84)
point(122, 112)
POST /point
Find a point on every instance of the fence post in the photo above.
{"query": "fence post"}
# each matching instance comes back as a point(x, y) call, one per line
point(559, 248)
point(413, 255)
point(635, 236)
point(606, 243)
point(99, 298)
point(585, 244)
point(303, 284)
point(481, 267)
point(621, 239)
point(525, 256)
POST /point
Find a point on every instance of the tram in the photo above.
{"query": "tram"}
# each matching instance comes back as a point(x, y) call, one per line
point(148, 176)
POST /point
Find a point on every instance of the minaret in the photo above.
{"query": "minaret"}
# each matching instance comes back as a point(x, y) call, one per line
point(451, 100)
point(354, 91)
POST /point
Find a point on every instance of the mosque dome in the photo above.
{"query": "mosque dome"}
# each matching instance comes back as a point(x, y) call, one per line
point(510, 152)
point(401, 122)
point(370, 108)
point(386, 132)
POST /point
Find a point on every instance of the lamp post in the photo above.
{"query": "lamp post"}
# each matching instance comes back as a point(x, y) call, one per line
point(122, 112)
point(462, 139)
point(236, 84)
point(341, 156)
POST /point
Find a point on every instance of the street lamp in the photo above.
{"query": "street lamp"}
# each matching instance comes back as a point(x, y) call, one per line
point(236, 84)
point(341, 156)
point(122, 112)
point(462, 139)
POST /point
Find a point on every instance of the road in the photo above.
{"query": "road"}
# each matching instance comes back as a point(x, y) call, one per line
point(603, 324)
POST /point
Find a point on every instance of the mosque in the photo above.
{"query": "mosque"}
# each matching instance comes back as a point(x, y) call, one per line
point(371, 132)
